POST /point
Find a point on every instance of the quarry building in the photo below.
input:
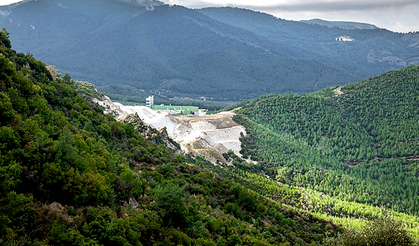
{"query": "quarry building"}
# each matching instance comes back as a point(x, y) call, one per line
point(176, 110)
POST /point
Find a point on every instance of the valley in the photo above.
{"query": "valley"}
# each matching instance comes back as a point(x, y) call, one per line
point(283, 163)
point(288, 133)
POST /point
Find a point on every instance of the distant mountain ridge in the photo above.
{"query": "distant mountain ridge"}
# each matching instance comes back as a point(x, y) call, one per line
point(217, 53)
point(341, 24)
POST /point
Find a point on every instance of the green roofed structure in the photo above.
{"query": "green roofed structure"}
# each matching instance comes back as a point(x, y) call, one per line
point(177, 110)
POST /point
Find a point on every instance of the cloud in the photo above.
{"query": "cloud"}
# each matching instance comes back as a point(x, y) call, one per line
point(398, 19)
point(7, 2)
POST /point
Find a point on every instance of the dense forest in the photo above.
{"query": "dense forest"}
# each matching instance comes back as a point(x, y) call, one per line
point(70, 175)
point(357, 143)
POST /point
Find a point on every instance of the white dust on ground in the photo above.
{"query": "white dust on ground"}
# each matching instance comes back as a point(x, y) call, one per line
point(338, 91)
point(209, 136)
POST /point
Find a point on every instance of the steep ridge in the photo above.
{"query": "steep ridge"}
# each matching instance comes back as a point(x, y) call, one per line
point(341, 24)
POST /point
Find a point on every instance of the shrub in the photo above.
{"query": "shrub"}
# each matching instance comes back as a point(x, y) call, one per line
point(380, 232)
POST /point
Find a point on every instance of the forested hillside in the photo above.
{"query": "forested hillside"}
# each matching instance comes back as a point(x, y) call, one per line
point(70, 175)
point(357, 143)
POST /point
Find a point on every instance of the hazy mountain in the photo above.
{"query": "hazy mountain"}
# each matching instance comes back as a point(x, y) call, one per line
point(175, 51)
point(362, 51)
point(341, 24)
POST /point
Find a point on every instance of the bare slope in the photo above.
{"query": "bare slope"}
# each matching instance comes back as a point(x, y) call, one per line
point(209, 136)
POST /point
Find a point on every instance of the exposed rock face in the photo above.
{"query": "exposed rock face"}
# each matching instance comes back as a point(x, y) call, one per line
point(158, 136)
point(111, 107)
point(210, 136)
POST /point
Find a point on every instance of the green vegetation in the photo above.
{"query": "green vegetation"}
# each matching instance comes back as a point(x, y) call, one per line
point(183, 110)
point(380, 232)
point(351, 215)
point(357, 143)
point(70, 175)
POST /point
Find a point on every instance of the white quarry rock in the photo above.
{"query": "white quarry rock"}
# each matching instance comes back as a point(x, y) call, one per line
point(209, 136)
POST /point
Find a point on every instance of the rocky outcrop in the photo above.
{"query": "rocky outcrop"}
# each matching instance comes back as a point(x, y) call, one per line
point(157, 136)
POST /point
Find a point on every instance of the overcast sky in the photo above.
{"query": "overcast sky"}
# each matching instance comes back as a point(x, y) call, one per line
point(395, 15)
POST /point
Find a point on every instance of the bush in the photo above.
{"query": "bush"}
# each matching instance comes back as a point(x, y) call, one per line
point(171, 201)
point(380, 232)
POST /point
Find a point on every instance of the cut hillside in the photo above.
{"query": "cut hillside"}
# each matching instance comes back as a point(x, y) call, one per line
point(208, 136)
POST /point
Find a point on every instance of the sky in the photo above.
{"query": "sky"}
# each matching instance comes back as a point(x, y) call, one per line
point(395, 15)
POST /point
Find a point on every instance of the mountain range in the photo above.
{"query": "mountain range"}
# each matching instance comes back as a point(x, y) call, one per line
point(216, 53)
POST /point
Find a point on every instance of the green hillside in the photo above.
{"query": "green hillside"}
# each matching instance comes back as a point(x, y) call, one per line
point(357, 143)
point(70, 175)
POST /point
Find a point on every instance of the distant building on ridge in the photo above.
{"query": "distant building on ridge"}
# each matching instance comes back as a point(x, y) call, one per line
point(176, 110)
point(149, 101)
